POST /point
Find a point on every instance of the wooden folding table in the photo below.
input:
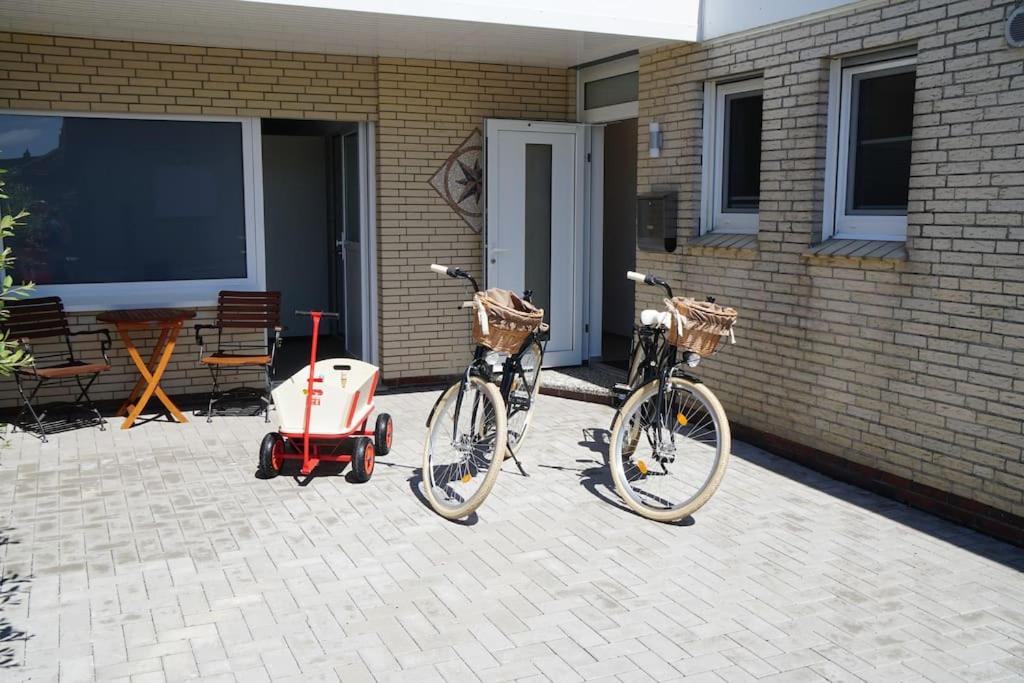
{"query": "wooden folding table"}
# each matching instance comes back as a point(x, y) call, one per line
point(169, 321)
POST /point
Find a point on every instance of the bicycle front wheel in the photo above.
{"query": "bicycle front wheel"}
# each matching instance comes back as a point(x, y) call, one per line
point(669, 452)
point(464, 449)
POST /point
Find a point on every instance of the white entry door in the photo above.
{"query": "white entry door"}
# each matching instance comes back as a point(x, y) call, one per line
point(535, 223)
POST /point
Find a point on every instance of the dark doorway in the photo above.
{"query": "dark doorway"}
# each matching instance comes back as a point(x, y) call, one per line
point(620, 140)
point(309, 224)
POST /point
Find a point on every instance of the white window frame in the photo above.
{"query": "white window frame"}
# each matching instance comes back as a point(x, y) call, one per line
point(614, 112)
point(177, 293)
point(714, 217)
point(838, 223)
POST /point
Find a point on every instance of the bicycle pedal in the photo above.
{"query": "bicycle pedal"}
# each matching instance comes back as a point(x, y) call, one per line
point(619, 393)
point(520, 402)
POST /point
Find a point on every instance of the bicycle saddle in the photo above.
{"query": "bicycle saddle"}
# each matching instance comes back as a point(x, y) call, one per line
point(653, 318)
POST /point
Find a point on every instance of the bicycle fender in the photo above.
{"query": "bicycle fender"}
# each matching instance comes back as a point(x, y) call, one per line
point(437, 404)
point(618, 413)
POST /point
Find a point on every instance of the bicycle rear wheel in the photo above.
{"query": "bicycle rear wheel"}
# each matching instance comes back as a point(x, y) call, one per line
point(523, 395)
point(462, 454)
point(669, 455)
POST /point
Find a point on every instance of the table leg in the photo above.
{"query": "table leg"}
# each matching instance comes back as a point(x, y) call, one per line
point(137, 389)
point(152, 377)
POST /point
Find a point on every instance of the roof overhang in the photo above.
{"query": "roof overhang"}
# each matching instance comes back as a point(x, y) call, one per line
point(558, 33)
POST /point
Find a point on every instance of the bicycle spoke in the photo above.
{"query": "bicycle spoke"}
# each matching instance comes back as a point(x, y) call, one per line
point(679, 453)
point(461, 446)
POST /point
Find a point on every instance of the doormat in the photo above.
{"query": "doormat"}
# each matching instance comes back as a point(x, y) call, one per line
point(460, 180)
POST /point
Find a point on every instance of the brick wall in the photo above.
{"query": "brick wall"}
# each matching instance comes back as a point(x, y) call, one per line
point(426, 109)
point(39, 73)
point(911, 367)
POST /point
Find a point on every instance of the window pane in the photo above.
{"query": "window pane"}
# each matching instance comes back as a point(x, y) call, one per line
point(612, 90)
point(123, 200)
point(879, 170)
point(538, 224)
point(741, 185)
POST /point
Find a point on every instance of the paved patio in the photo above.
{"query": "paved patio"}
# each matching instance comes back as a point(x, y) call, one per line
point(155, 554)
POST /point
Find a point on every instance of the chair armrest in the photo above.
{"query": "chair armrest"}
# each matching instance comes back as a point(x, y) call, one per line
point(24, 345)
point(278, 341)
point(105, 342)
point(199, 333)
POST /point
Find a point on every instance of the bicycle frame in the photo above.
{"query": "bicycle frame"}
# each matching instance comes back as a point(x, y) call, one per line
point(479, 367)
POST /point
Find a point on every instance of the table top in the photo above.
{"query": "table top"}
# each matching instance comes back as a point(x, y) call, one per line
point(146, 316)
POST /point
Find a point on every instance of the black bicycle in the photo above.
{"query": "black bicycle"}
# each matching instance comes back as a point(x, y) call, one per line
point(670, 440)
point(480, 420)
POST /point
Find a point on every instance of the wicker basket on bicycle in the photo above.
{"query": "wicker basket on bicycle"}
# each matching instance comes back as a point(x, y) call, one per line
point(699, 326)
point(503, 320)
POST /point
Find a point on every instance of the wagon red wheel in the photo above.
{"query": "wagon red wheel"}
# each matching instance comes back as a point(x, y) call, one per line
point(271, 456)
point(363, 460)
point(383, 432)
point(277, 454)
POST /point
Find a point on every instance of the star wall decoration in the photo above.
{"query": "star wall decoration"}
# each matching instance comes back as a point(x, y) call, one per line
point(460, 180)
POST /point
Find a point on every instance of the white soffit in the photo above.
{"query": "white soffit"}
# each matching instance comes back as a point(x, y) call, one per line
point(320, 26)
point(726, 17)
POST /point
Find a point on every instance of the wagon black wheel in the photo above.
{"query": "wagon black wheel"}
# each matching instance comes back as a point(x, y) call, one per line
point(363, 457)
point(383, 433)
point(271, 452)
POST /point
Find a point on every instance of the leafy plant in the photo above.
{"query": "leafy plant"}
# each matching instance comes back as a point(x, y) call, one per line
point(12, 356)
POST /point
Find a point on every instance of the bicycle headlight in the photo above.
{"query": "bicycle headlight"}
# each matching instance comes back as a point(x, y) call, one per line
point(692, 359)
point(492, 358)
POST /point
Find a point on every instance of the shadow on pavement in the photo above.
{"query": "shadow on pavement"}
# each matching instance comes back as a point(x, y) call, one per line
point(919, 520)
point(597, 479)
point(415, 485)
point(12, 588)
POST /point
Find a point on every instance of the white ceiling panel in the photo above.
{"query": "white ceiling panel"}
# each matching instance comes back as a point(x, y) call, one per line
point(287, 27)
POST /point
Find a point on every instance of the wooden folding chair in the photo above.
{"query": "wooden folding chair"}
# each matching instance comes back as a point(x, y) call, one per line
point(236, 312)
point(31, 320)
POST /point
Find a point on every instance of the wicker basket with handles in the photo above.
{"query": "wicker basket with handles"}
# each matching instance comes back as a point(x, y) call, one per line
point(699, 326)
point(502, 320)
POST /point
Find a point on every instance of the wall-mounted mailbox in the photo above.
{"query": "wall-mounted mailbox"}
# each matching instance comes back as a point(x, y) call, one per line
point(656, 221)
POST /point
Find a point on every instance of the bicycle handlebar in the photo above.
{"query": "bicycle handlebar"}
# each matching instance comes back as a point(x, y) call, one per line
point(649, 280)
point(452, 271)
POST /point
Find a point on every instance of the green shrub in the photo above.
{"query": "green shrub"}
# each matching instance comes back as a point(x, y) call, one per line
point(11, 355)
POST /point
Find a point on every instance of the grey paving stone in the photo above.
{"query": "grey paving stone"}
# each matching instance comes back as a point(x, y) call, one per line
point(156, 554)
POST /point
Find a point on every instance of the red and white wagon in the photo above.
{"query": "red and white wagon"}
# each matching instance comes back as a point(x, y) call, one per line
point(324, 413)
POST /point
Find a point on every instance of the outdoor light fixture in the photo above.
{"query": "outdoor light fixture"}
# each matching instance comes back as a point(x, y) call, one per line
point(655, 139)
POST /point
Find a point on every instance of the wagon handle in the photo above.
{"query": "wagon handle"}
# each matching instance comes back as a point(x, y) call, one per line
point(323, 314)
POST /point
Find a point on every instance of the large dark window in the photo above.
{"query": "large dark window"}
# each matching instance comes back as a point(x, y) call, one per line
point(880, 134)
point(741, 185)
point(125, 200)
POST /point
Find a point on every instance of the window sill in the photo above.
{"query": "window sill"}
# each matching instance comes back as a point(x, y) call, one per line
point(726, 242)
point(858, 250)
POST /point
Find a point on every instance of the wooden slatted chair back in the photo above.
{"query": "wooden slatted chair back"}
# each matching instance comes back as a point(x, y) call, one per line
point(39, 318)
point(252, 310)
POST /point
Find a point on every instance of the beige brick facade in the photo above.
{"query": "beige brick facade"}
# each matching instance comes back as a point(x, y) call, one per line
point(911, 367)
point(424, 109)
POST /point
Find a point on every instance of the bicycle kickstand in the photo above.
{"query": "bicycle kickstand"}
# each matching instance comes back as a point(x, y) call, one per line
point(522, 470)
